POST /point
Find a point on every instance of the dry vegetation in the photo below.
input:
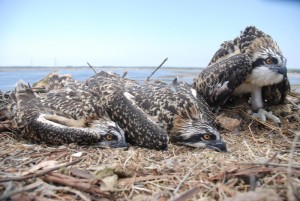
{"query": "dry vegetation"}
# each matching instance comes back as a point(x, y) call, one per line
point(263, 163)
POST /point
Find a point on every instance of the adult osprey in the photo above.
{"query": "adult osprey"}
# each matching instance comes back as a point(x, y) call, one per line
point(251, 63)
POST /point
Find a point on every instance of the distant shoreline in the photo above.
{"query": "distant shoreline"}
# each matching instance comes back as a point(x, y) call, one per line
point(9, 76)
point(60, 67)
point(12, 68)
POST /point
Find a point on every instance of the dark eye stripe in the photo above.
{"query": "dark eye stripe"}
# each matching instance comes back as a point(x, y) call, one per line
point(261, 61)
point(258, 62)
point(274, 60)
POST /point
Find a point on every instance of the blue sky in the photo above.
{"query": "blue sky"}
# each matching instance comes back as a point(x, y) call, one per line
point(138, 33)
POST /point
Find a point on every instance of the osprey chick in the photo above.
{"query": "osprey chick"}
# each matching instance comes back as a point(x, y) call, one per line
point(180, 111)
point(60, 118)
point(251, 63)
point(139, 128)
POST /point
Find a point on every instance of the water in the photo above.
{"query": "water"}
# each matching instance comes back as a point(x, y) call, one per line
point(9, 76)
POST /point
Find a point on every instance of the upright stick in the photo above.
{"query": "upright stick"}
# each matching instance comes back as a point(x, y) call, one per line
point(157, 68)
point(91, 67)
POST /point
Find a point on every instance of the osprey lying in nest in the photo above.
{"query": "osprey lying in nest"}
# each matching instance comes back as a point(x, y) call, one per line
point(176, 108)
point(63, 117)
point(180, 110)
point(150, 114)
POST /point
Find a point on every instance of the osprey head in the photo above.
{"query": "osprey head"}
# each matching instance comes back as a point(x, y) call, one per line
point(268, 63)
point(196, 134)
point(111, 135)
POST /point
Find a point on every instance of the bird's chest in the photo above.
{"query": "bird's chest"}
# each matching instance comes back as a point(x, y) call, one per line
point(245, 87)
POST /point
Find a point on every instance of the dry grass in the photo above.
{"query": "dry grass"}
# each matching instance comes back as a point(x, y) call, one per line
point(263, 163)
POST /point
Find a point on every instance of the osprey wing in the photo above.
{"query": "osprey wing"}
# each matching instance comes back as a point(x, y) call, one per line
point(140, 129)
point(226, 50)
point(217, 82)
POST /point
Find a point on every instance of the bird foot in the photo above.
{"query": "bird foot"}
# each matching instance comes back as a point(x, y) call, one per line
point(264, 115)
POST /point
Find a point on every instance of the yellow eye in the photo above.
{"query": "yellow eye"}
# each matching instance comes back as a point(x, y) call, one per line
point(206, 137)
point(108, 137)
point(269, 61)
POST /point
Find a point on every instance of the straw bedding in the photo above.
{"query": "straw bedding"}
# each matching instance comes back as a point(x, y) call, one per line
point(263, 163)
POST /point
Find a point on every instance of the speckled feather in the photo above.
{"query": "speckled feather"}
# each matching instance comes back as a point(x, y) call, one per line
point(43, 120)
point(140, 129)
point(232, 64)
point(217, 82)
point(175, 108)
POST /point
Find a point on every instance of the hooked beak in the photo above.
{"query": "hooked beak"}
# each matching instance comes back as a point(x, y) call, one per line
point(120, 144)
point(281, 70)
point(217, 145)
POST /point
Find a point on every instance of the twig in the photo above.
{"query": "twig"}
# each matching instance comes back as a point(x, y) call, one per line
point(185, 178)
point(294, 104)
point(248, 147)
point(124, 74)
point(123, 181)
point(20, 190)
point(60, 188)
point(86, 185)
point(38, 174)
point(272, 158)
point(157, 68)
point(291, 191)
point(294, 93)
point(289, 168)
point(272, 164)
point(249, 127)
point(187, 194)
point(92, 67)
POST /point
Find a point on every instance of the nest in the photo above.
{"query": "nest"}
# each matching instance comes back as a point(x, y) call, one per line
point(262, 163)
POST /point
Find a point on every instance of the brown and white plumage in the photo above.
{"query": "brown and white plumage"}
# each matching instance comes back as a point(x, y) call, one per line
point(251, 63)
point(73, 112)
point(147, 113)
point(61, 118)
point(178, 109)
point(150, 111)
point(140, 129)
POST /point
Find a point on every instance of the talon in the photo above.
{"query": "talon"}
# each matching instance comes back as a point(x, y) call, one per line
point(263, 115)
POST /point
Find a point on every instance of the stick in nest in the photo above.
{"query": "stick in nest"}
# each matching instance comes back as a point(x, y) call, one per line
point(294, 166)
point(30, 187)
point(68, 189)
point(92, 67)
point(40, 173)
point(124, 74)
point(188, 194)
point(185, 178)
point(292, 192)
point(86, 185)
point(157, 68)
